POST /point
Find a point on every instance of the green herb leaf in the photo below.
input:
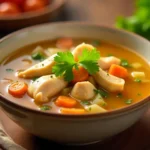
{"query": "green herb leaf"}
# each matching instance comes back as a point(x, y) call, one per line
point(119, 95)
point(96, 43)
point(35, 78)
point(85, 102)
point(137, 80)
point(124, 63)
point(139, 94)
point(128, 101)
point(45, 107)
point(65, 63)
point(109, 55)
point(38, 56)
point(89, 59)
point(104, 94)
point(9, 70)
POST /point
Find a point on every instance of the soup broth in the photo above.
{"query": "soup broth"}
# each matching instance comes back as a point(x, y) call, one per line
point(136, 87)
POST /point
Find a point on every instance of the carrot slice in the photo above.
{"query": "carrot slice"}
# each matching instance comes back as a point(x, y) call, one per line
point(65, 101)
point(72, 111)
point(64, 43)
point(80, 75)
point(118, 71)
point(17, 88)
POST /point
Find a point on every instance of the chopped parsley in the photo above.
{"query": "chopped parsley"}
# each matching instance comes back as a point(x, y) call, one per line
point(65, 63)
point(45, 107)
point(137, 80)
point(125, 63)
point(109, 55)
point(139, 94)
point(128, 101)
point(85, 102)
point(96, 43)
point(104, 94)
point(35, 78)
point(9, 70)
point(119, 95)
point(38, 56)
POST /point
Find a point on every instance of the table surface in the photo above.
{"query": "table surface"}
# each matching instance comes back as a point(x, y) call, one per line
point(136, 137)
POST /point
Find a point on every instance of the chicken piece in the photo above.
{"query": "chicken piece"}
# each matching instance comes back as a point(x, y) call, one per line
point(45, 87)
point(83, 91)
point(109, 82)
point(42, 68)
point(106, 62)
point(79, 49)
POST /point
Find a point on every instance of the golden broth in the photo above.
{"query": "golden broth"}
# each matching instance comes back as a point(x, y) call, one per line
point(133, 90)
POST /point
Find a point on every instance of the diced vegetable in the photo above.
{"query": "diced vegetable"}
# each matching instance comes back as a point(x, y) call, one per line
point(136, 65)
point(99, 100)
point(38, 56)
point(95, 109)
point(18, 88)
point(118, 71)
point(137, 74)
point(73, 111)
point(79, 74)
point(65, 101)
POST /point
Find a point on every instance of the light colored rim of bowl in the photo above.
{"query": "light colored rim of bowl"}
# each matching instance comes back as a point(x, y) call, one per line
point(54, 5)
point(113, 112)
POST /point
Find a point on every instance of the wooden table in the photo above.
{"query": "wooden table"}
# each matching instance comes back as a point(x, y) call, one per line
point(135, 138)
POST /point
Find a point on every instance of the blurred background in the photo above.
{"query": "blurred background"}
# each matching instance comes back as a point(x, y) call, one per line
point(132, 15)
point(17, 14)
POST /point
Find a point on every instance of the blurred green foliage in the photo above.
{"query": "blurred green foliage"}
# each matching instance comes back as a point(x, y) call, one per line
point(139, 22)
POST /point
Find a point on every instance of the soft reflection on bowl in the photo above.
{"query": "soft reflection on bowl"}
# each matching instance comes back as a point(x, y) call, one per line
point(68, 128)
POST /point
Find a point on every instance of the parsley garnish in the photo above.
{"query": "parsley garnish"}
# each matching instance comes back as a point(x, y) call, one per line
point(139, 94)
point(65, 63)
point(104, 94)
point(96, 43)
point(45, 107)
point(125, 63)
point(109, 55)
point(35, 78)
point(9, 70)
point(85, 102)
point(137, 80)
point(128, 101)
point(119, 95)
point(38, 56)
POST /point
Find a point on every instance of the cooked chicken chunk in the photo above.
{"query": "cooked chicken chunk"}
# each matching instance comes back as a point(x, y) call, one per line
point(109, 82)
point(79, 49)
point(83, 90)
point(42, 68)
point(45, 87)
point(106, 62)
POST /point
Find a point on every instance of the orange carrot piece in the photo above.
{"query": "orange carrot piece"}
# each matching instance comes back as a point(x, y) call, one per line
point(118, 71)
point(65, 101)
point(65, 43)
point(18, 88)
point(72, 111)
point(80, 75)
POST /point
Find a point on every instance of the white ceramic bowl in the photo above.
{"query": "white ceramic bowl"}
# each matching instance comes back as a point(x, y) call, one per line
point(70, 129)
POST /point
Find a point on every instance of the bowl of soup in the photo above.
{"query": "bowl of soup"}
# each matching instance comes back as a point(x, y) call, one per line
point(81, 84)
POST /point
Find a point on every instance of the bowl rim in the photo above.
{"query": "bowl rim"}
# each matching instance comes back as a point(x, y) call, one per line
point(54, 5)
point(51, 114)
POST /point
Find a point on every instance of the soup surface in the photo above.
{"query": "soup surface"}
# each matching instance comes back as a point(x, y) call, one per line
point(87, 76)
